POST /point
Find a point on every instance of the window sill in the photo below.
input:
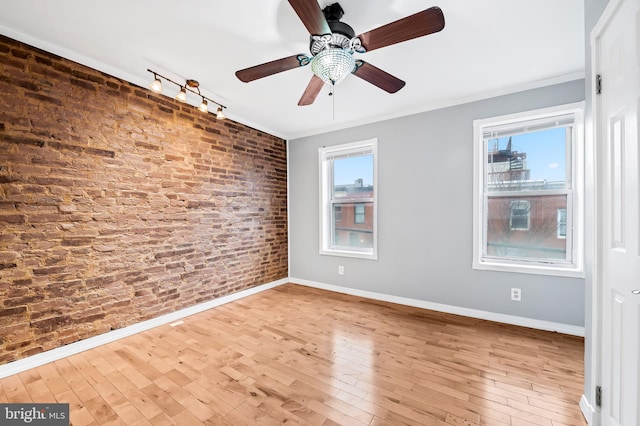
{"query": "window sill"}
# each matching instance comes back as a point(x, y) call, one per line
point(558, 271)
point(345, 253)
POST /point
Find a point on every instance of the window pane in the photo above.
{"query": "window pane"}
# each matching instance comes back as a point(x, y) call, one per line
point(353, 177)
point(528, 161)
point(525, 227)
point(350, 231)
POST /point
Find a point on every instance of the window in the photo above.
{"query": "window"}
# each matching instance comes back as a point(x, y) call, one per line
point(519, 217)
point(337, 213)
point(562, 223)
point(348, 194)
point(527, 192)
point(358, 213)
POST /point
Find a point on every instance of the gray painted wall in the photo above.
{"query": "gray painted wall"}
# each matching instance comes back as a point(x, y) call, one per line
point(425, 214)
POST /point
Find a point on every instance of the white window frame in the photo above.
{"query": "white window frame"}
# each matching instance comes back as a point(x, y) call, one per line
point(325, 155)
point(575, 210)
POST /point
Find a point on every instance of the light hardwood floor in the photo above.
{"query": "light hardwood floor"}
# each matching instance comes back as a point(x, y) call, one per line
point(298, 355)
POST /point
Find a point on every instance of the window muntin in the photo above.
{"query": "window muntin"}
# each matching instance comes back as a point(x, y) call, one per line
point(527, 171)
point(348, 200)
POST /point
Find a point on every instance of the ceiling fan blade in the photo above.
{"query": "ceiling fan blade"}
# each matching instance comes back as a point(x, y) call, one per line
point(311, 92)
point(311, 16)
point(264, 70)
point(417, 25)
point(379, 78)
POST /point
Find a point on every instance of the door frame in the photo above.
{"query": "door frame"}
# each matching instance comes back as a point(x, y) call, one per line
point(594, 165)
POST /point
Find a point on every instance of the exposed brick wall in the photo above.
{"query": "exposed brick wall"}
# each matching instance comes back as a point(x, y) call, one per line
point(118, 205)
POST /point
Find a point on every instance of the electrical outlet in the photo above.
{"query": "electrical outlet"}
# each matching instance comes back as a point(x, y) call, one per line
point(516, 294)
point(340, 270)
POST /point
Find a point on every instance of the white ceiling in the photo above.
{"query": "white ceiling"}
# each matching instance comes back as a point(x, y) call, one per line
point(487, 48)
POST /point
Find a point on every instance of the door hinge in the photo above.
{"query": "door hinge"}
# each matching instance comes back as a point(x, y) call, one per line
point(598, 396)
point(598, 84)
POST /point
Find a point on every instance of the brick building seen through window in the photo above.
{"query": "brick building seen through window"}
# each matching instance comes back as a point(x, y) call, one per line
point(354, 221)
point(526, 225)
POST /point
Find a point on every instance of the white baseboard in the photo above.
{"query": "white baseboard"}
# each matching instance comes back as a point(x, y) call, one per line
point(589, 413)
point(37, 360)
point(467, 312)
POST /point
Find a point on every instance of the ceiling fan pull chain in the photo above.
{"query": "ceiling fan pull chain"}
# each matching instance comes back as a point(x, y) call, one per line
point(333, 101)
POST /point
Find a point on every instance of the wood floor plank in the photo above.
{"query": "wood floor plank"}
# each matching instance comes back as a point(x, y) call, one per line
point(15, 390)
point(79, 415)
point(52, 379)
point(3, 395)
point(38, 391)
point(336, 415)
point(487, 415)
point(127, 412)
point(101, 410)
point(300, 356)
point(273, 407)
point(162, 399)
point(248, 415)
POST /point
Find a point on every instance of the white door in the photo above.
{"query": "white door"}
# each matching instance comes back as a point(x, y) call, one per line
point(617, 60)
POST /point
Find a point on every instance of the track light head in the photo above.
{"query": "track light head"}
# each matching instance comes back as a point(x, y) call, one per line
point(219, 114)
point(204, 106)
point(156, 86)
point(182, 95)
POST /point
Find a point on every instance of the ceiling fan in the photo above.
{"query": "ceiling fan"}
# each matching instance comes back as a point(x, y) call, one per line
point(333, 43)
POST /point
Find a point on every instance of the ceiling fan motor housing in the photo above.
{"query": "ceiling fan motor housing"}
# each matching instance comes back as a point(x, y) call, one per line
point(341, 33)
point(333, 12)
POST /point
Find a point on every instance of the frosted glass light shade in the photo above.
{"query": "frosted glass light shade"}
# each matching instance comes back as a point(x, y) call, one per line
point(182, 95)
point(333, 65)
point(204, 106)
point(156, 86)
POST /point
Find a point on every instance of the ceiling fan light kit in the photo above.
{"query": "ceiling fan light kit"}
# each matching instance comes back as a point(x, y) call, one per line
point(333, 44)
point(333, 65)
point(190, 85)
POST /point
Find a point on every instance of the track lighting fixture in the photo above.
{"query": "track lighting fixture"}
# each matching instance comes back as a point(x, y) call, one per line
point(189, 86)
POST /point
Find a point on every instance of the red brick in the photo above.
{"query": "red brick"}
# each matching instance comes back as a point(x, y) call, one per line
point(125, 208)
